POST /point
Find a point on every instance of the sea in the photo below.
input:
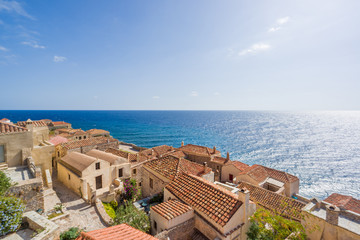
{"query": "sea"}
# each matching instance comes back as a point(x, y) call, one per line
point(321, 148)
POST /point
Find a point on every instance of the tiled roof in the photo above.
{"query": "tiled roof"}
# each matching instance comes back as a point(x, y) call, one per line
point(57, 123)
point(213, 201)
point(240, 165)
point(171, 209)
point(163, 149)
point(6, 128)
point(277, 203)
point(77, 161)
point(58, 139)
point(118, 232)
point(170, 167)
point(178, 154)
point(111, 158)
point(87, 142)
point(4, 120)
point(220, 160)
point(198, 149)
point(130, 156)
point(260, 173)
point(38, 123)
point(344, 202)
point(97, 131)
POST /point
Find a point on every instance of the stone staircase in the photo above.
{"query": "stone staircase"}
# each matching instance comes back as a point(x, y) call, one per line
point(3, 166)
point(197, 235)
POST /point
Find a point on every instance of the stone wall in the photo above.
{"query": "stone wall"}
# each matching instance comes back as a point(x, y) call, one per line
point(158, 184)
point(31, 192)
point(14, 144)
point(101, 211)
point(49, 230)
point(182, 231)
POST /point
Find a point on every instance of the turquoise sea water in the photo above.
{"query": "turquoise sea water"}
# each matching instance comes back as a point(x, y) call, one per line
point(321, 148)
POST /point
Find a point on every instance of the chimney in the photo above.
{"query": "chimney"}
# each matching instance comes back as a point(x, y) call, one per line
point(244, 196)
point(214, 149)
point(227, 156)
point(182, 143)
point(29, 124)
point(332, 214)
point(205, 166)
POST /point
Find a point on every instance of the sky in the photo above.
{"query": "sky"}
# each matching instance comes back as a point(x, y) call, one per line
point(180, 55)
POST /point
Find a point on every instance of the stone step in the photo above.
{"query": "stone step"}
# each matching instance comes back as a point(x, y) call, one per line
point(49, 192)
point(3, 166)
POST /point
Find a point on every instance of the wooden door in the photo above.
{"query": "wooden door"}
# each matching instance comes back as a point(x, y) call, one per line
point(98, 181)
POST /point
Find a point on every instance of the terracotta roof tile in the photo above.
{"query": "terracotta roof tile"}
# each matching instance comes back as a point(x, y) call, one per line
point(58, 139)
point(240, 165)
point(178, 154)
point(220, 160)
point(111, 158)
point(6, 128)
point(4, 120)
point(97, 132)
point(118, 232)
point(205, 197)
point(171, 209)
point(344, 202)
point(170, 167)
point(260, 173)
point(87, 142)
point(58, 123)
point(280, 204)
point(77, 161)
point(198, 150)
point(37, 123)
point(130, 156)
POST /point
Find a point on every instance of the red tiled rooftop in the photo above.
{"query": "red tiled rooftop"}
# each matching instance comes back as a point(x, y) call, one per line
point(215, 202)
point(97, 131)
point(163, 149)
point(171, 209)
point(4, 120)
point(37, 123)
point(220, 160)
point(240, 165)
point(57, 123)
point(344, 202)
point(6, 128)
point(260, 173)
point(87, 142)
point(130, 156)
point(58, 139)
point(118, 232)
point(170, 167)
point(277, 203)
point(198, 150)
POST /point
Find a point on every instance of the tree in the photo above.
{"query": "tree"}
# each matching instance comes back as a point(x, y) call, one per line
point(5, 183)
point(266, 225)
point(130, 189)
point(70, 234)
point(129, 214)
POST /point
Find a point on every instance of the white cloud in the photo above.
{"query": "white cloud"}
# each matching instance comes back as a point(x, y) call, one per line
point(283, 20)
point(255, 48)
point(33, 45)
point(194, 94)
point(3, 49)
point(13, 6)
point(59, 59)
point(155, 97)
point(216, 93)
point(279, 22)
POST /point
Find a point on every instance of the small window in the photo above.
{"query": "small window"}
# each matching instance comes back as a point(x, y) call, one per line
point(69, 176)
point(155, 226)
point(151, 183)
point(79, 138)
point(134, 171)
point(59, 154)
point(97, 165)
point(120, 172)
point(139, 184)
point(231, 177)
point(84, 137)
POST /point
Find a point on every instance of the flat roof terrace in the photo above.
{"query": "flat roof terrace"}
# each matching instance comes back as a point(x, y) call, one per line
point(18, 174)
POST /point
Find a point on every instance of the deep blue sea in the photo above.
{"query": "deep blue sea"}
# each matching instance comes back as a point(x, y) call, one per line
point(321, 148)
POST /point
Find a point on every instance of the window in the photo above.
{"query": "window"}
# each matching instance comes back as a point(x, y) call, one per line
point(69, 176)
point(98, 181)
point(97, 165)
point(155, 226)
point(139, 184)
point(59, 154)
point(151, 183)
point(84, 137)
point(2, 153)
point(79, 138)
point(134, 171)
point(120, 172)
point(231, 177)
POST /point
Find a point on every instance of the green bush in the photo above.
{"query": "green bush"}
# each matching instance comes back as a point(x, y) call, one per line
point(266, 225)
point(109, 210)
point(5, 183)
point(114, 204)
point(129, 214)
point(70, 234)
point(11, 210)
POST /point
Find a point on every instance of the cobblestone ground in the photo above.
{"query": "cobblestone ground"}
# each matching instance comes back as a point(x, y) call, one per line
point(82, 214)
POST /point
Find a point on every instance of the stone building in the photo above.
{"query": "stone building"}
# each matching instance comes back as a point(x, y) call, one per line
point(270, 179)
point(58, 124)
point(231, 169)
point(218, 213)
point(335, 218)
point(72, 134)
point(15, 145)
point(157, 173)
point(98, 133)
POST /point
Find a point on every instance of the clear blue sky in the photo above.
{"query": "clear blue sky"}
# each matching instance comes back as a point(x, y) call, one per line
point(243, 55)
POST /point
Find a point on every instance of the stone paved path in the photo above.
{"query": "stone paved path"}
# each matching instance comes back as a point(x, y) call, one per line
point(82, 214)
